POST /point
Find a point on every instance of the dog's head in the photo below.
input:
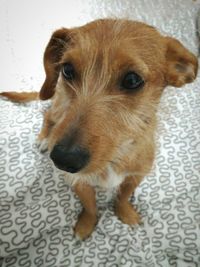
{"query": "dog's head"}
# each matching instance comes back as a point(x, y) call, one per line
point(106, 79)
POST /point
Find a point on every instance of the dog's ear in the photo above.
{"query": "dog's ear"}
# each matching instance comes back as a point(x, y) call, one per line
point(181, 65)
point(52, 56)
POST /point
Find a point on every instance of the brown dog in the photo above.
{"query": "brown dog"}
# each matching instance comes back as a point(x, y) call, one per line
point(105, 80)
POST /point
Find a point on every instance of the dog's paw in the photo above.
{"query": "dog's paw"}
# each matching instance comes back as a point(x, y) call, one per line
point(42, 145)
point(85, 225)
point(127, 214)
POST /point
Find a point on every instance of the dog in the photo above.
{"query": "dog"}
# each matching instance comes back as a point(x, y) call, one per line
point(105, 80)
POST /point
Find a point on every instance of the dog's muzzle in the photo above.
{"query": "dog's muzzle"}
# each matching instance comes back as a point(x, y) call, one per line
point(70, 159)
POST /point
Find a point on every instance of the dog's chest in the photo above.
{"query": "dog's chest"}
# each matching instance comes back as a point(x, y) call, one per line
point(110, 179)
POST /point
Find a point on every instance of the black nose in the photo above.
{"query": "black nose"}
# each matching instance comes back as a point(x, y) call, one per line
point(71, 159)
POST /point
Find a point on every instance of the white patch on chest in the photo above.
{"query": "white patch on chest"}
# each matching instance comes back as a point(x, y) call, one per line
point(110, 180)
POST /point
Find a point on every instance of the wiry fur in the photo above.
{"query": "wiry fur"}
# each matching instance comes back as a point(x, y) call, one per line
point(116, 126)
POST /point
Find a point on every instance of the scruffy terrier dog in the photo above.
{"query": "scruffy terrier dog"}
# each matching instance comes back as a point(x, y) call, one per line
point(105, 80)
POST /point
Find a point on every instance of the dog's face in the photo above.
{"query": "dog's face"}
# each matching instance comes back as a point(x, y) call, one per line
point(106, 79)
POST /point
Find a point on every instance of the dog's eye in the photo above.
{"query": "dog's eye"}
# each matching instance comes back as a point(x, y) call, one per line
point(68, 71)
point(132, 81)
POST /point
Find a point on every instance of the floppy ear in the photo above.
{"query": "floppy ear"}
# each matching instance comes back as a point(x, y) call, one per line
point(52, 56)
point(181, 65)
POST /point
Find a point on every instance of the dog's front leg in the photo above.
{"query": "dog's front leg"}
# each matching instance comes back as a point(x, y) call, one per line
point(42, 141)
point(88, 217)
point(123, 208)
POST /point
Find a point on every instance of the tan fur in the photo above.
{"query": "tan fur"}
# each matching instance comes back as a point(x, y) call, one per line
point(116, 126)
point(21, 97)
point(88, 216)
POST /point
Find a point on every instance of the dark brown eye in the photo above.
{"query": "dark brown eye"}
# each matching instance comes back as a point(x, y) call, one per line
point(68, 71)
point(132, 81)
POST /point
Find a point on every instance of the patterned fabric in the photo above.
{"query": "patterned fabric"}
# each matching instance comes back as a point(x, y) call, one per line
point(38, 210)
